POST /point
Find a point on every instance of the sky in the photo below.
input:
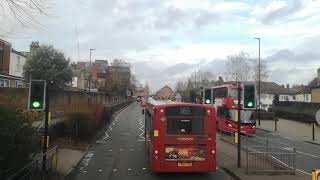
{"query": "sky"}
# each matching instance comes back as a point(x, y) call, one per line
point(166, 40)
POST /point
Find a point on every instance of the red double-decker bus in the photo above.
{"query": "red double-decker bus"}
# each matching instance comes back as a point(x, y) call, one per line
point(181, 137)
point(225, 99)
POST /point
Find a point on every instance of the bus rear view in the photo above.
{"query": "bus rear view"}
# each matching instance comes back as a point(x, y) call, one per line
point(183, 138)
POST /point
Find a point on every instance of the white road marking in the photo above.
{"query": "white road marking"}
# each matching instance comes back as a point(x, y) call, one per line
point(121, 149)
point(131, 149)
point(308, 154)
point(100, 170)
point(114, 170)
point(144, 168)
point(129, 169)
point(125, 133)
point(84, 171)
point(110, 150)
point(303, 172)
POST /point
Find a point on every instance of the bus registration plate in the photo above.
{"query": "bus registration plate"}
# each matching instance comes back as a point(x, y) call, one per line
point(184, 164)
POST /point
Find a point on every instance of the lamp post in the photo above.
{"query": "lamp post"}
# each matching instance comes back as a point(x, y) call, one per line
point(259, 87)
point(90, 71)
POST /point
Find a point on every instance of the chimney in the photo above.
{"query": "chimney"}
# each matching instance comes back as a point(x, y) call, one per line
point(33, 46)
point(318, 83)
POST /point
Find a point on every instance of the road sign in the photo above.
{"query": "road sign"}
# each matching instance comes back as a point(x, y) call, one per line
point(318, 116)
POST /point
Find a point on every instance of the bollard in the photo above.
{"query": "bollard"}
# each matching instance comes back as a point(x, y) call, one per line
point(315, 174)
point(275, 123)
point(313, 129)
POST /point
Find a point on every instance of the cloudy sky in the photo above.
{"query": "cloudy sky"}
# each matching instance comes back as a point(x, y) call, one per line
point(165, 40)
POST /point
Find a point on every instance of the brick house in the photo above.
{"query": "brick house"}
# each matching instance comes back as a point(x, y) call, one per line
point(11, 66)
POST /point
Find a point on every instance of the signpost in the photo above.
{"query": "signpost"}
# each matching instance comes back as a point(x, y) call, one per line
point(318, 116)
point(314, 124)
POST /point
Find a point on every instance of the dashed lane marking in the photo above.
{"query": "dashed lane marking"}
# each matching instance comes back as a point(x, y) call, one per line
point(129, 169)
point(100, 170)
point(144, 168)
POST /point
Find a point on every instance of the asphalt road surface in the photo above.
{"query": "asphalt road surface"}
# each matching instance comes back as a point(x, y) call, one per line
point(307, 154)
point(121, 154)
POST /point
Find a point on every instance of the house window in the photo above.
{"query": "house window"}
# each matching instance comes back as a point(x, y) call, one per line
point(4, 83)
point(18, 65)
point(19, 84)
point(307, 97)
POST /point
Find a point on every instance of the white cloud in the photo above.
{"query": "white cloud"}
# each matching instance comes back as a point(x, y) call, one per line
point(182, 33)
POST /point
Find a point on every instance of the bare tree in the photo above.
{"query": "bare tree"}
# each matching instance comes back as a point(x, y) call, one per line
point(238, 67)
point(180, 86)
point(243, 68)
point(24, 12)
point(200, 78)
point(264, 72)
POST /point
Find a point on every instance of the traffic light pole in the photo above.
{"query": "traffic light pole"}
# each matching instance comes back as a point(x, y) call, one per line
point(239, 124)
point(45, 136)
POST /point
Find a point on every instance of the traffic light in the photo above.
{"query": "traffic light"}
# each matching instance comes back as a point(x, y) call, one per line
point(37, 95)
point(207, 96)
point(249, 96)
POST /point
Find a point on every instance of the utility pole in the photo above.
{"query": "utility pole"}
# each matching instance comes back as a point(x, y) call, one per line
point(45, 136)
point(90, 71)
point(259, 83)
point(239, 124)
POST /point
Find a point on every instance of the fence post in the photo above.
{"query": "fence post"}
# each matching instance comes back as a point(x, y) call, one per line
point(247, 149)
point(313, 133)
point(294, 160)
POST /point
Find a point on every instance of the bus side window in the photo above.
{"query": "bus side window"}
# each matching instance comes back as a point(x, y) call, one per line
point(149, 123)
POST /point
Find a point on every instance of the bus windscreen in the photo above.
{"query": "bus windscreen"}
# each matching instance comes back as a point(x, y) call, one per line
point(190, 126)
point(185, 120)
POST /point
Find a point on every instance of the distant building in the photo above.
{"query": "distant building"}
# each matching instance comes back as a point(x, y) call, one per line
point(315, 94)
point(11, 66)
point(268, 91)
point(165, 93)
point(178, 97)
point(304, 95)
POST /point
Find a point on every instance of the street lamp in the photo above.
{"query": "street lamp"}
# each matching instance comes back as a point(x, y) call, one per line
point(259, 89)
point(90, 71)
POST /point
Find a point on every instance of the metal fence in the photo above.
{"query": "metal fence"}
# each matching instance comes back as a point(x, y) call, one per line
point(33, 170)
point(263, 155)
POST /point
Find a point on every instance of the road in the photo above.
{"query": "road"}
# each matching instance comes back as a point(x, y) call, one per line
point(121, 154)
point(308, 155)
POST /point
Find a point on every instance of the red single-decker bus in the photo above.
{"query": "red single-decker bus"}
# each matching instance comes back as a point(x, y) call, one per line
point(181, 137)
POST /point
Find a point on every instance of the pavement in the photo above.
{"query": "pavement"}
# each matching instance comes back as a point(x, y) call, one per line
point(67, 159)
point(292, 129)
point(121, 154)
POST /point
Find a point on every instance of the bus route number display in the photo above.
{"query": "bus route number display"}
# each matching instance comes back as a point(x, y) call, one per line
point(185, 111)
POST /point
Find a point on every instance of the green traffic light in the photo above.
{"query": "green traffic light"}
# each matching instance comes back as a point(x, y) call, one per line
point(250, 104)
point(36, 104)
